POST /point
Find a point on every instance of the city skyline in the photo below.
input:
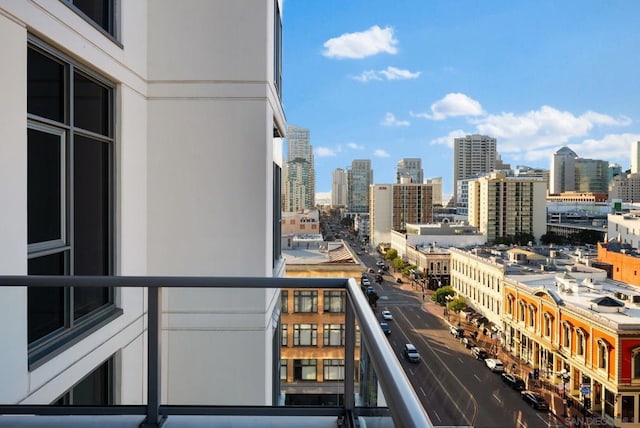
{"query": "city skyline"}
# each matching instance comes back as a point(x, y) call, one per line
point(380, 83)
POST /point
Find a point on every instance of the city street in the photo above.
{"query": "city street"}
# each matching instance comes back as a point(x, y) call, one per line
point(454, 387)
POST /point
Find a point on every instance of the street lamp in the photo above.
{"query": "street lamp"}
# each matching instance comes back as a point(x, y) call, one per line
point(565, 376)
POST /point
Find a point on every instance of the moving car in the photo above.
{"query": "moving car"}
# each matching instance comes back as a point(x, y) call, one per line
point(479, 353)
point(494, 364)
point(411, 353)
point(385, 328)
point(370, 290)
point(513, 381)
point(535, 400)
point(386, 315)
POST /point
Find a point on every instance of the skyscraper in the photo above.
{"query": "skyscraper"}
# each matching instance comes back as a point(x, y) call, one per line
point(359, 178)
point(592, 175)
point(411, 168)
point(635, 157)
point(563, 171)
point(339, 188)
point(299, 187)
point(473, 155)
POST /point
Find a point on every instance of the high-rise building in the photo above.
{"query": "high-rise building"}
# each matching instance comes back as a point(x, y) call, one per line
point(635, 157)
point(503, 207)
point(436, 186)
point(592, 175)
point(112, 135)
point(563, 171)
point(300, 188)
point(339, 188)
point(410, 168)
point(359, 178)
point(625, 187)
point(473, 155)
point(393, 206)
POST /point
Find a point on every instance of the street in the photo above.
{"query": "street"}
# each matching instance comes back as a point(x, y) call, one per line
point(454, 387)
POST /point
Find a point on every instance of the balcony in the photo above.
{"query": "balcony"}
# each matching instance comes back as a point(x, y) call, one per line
point(403, 408)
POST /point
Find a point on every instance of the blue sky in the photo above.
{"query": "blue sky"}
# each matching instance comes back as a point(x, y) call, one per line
point(385, 80)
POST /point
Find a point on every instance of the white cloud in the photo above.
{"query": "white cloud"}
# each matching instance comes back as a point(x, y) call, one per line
point(452, 105)
point(390, 120)
point(324, 152)
point(381, 154)
point(618, 146)
point(545, 127)
point(448, 139)
point(355, 146)
point(390, 73)
point(362, 44)
point(323, 198)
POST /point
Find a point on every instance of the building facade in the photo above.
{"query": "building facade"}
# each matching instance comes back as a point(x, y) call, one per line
point(110, 128)
point(563, 171)
point(592, 175)
point(299, 191)
point(359, 178)
point(625, 187)
point(339, 188)
point(504, 207)
point(473, 155)
point(410, 168)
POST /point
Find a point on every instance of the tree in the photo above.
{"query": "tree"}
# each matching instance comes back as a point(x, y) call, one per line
point(457, 305)
point(373, 299)
point(441, 293)
point(391, 254)
point(398, 263)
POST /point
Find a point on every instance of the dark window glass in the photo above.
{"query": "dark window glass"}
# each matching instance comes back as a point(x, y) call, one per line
point(91, 213)
point(45, 86)
point(90, 105)
point(45, 305)
point(44, 188)
point(97, 10)
point(94, 390)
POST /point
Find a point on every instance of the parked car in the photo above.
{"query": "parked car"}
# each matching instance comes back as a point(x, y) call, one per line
point(386, 315)
point(513, 381)
point(457, 332)
point(535, 400)
point(468, 342)
point(494, 364)
point(479, 353)
point(370, 290)
point(365, 281)
point(385, 328)
point(411, 353)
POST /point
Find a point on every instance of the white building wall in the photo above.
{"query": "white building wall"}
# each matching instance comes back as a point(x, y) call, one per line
point(381, 216)
point(176, 211)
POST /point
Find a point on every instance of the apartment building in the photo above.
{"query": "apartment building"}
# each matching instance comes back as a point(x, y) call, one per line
point(473, 155)
point(112, 134)
point(359, 178)
point(503, 207)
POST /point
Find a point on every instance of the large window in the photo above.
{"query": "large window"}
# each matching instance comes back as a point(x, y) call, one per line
point(305, 334)
point(305, 370)
point(305, 301)
point(333, 335)
point(69, 196)
point(99, 12)
point(283, 370)
point(95, 389)
point(333, 369)
point(285, 335)
point(334, 301)
point(284, 301)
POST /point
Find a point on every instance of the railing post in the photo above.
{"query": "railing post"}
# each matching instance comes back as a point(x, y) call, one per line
point(153, 419)
point(349, 355)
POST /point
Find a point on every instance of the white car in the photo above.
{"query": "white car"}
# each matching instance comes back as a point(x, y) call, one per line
point(387, 315)
point(494, 364)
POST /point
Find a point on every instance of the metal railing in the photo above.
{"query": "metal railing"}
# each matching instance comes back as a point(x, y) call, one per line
point(404, 407)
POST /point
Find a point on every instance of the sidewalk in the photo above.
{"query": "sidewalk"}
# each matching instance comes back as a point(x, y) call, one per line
point(570, 414)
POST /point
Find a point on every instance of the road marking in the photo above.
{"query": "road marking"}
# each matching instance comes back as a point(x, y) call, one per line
point(411, 370)
point(418, 316)
point(423, 393)
point(460, 359)
point(476, 376)
point(497, 398)
point(437, 415)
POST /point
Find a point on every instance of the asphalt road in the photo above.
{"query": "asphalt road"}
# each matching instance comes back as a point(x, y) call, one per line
point(454, 388)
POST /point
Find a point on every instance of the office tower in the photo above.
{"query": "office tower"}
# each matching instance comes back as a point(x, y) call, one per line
point(473, 155)
point(563, 171)
point(505, 207)
point(410, 168)
point(393, 206)
point(116, 155)
point(614, 170)
point(592, 175)
point(635, 157)
point(436, 186)
point(359, 178)
point(339, 188)
point(301, 179)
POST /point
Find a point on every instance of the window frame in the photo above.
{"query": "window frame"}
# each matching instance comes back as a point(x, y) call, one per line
point(113, 29)
point(333, 366)
point(301, 330)
point(329, 332)
point(299, 298)
point(328, 301)
point(75, 326)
